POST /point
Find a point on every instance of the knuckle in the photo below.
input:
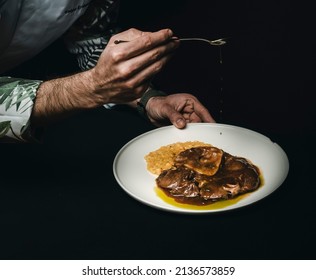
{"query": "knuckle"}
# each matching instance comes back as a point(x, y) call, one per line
point(158, 66)
point(133, 30)
point(130, 85)
point(155, 55)
point(134, 33)
point(124, 73)
point(139, 90)
point(117, 56)
point(147, 40)
point(168, 33)
point(128, 71)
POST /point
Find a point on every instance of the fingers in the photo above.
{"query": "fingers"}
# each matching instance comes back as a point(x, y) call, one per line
point(180, 120)
point(138, 42)
point(145, 66)
point(193, 110)
point(140, 74)
point(141, 58)
point(158, 56)
point(124, 70)
point(179, 109)
point(202, 114)
point(177, 120)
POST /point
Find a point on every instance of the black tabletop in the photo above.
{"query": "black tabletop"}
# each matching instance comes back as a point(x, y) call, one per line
point(60, 200)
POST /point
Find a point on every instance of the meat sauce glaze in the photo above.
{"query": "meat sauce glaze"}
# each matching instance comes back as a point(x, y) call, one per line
point(204, 175)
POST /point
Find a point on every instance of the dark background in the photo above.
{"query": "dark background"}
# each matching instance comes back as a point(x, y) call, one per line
point(268, 63)
point(266, 80)
point(65, 204)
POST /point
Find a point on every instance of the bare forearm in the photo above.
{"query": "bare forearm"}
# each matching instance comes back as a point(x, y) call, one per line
point(122, 74)
point(62, 97)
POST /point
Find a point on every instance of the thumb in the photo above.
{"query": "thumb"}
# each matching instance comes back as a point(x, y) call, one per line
point(177, 119)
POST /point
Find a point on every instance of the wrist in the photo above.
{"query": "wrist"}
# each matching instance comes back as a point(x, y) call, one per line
point(92, 94)
point(142, 103)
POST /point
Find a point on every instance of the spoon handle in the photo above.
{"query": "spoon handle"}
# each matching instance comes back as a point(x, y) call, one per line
point(194, 39)
point(217, 42)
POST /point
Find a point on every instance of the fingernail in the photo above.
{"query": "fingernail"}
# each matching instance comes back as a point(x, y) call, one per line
point(180, 123)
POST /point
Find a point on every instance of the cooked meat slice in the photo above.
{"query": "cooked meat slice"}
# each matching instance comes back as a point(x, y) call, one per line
point(242, 170)
point(250, 179)
point(213, 192)
point(188, 189)
point(232, 189)
point(220, 188)
point(180, 181)
point(205, 160)
point(190, 182)
point(234, 163)
point(174, 177)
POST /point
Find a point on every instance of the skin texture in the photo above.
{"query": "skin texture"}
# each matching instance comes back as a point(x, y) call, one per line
point(123, 73)
point(178, 109)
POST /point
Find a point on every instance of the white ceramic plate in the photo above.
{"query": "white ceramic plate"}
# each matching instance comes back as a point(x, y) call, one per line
point(130, 170)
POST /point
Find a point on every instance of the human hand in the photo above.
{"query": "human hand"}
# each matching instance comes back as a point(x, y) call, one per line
point(178, 109)
point(124, 71)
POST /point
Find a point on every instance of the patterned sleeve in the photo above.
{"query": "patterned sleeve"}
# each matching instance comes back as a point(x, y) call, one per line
point(86, 39)
point(90, 34)
point(16, 103)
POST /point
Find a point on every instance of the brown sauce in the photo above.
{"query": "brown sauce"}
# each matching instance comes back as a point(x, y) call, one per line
point(166, 197)
point(190, 182)
point(169, 199)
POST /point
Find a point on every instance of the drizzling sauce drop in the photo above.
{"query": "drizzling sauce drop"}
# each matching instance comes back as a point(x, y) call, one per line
point(221, 86)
